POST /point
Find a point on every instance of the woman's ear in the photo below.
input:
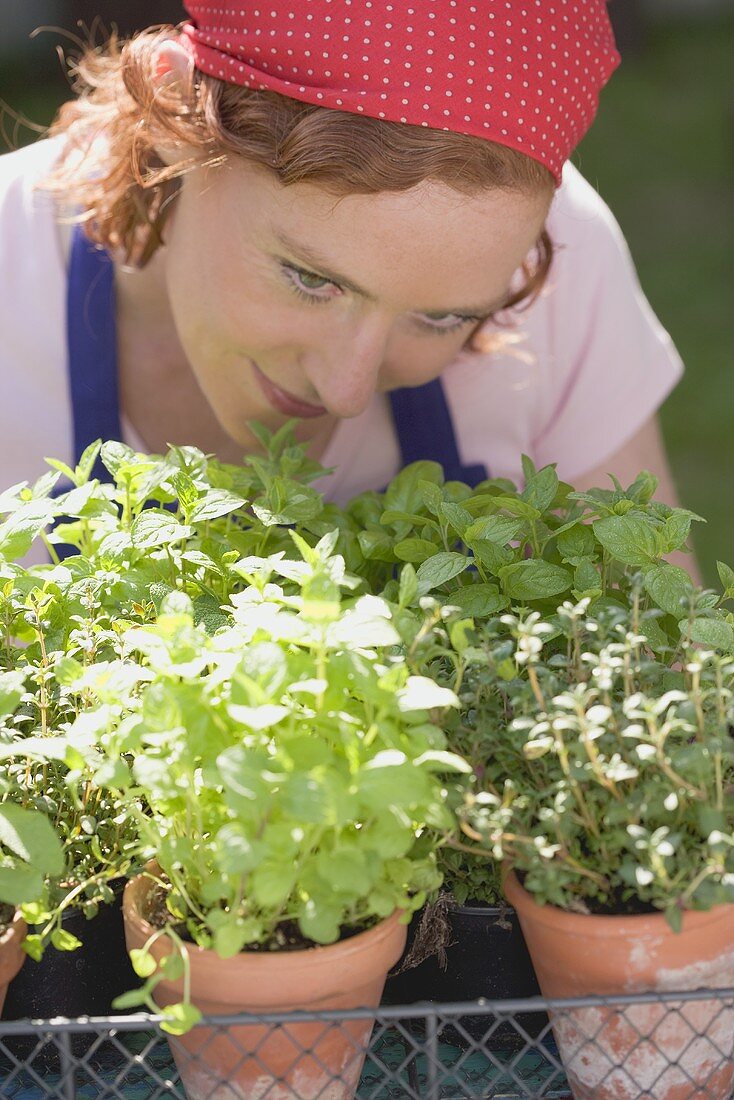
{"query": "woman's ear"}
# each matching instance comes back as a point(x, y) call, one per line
point(172, 71)
point(172, 63)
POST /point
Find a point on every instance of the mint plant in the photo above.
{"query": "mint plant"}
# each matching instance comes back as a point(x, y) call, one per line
point(611, 783)
point(486, 549)
point(287, 771)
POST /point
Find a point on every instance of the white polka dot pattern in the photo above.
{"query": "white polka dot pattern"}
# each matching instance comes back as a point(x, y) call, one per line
point(524, 73)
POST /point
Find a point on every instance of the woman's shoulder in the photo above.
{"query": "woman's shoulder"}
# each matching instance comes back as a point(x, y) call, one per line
point(579, 217)
point(21, 170)
point(34, 410)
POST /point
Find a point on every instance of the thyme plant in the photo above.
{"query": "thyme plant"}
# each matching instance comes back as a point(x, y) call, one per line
point(611, 785)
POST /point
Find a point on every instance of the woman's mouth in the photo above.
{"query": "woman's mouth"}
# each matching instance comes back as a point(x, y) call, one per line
point(285, 402)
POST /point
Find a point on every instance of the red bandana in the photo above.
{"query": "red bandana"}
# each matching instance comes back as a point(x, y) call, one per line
point(523, 73)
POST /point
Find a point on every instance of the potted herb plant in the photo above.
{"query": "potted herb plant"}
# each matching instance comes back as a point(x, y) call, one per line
point(293, 786)
point(610, 801)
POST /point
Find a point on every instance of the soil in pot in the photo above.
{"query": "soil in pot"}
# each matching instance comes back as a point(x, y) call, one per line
point(285, 1061)
point(678, 1051)
point(73, 983)
point(486, 957)
point(12, 956)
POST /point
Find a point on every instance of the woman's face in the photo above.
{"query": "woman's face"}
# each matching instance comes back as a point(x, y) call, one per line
point(290, 302)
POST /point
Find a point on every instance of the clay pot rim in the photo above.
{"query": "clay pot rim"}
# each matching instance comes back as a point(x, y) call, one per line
point(606, 925)
point(16, 928)
point(305, 958)
point(482, 911)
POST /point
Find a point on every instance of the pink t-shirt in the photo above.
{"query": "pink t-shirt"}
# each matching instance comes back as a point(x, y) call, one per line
point(589, 362)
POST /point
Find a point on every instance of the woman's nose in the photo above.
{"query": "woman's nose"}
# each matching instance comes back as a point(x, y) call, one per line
point(345, 370)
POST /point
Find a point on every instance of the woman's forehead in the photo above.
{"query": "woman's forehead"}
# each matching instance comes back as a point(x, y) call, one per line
point(445, 251)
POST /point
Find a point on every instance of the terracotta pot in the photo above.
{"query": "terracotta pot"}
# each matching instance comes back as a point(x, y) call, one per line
point(674, 1051)
point(12, 955)
point(291, 1061)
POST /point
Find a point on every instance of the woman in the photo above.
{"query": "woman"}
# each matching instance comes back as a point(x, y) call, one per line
point(328, 210)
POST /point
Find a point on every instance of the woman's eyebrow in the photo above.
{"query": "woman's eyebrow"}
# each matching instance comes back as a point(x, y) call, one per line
point(309, 255)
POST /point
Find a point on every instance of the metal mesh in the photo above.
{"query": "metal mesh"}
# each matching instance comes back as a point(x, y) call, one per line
point(656, 1046)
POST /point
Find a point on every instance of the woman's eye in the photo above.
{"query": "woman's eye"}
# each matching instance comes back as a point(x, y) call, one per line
point(446, 324)
point(305, 282)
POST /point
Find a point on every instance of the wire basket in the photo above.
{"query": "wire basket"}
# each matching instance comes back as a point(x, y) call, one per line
point(658, 1046)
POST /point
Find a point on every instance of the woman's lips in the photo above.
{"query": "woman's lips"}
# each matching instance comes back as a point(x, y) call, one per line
point(285, 402)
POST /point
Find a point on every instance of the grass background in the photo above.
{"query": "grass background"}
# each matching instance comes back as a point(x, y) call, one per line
point(661, 153)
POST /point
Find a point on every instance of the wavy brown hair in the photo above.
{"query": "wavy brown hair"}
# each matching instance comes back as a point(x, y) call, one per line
point(111, 171)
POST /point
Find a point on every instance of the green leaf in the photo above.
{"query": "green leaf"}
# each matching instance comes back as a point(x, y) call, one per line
point(726, 576)
point(33, 945)
point(669, 586)
point(12, 689)
point(499, 529)
point(20, 884)
point(656, 636)
point(157, 528)
point(540, 488)
point(404, 493)
point(676, 531)
point(478, 600)
point(385, 781)
point(714, 633)
point(576, 541)
point(439, 569)
point(643, 487)
point(116, 455)
point(67, 671)
point(83, 471)
point(534, 579)
point(31, 836)
point(180, 1018)
point(236, 852)
point(135, 998)
point(414, 550)
point(376, 545)
point(215, 503)
point(629, 539)
point(143, 963)
point(456, 516)
point(63, 940)
point(320, 921)
point(19, 530)
point(492, 555)
point(230, 939)
point(346, 871)
point(408, 588)
point(272, 882)
point(586, 577)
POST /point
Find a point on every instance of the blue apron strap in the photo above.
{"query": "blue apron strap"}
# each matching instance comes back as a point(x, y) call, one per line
point(91, 334)
point(91, 355)
point(425, 431)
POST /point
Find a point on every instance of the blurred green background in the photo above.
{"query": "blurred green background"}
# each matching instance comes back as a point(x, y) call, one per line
point(661, 153)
